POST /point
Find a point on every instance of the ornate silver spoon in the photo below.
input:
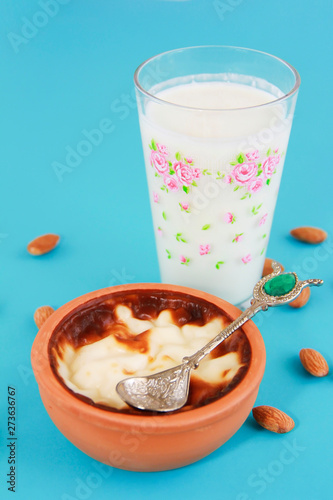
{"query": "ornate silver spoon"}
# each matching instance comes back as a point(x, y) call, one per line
point(168, 390)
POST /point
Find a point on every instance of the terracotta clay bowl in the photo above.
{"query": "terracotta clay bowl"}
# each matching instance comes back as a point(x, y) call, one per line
point(146, 443)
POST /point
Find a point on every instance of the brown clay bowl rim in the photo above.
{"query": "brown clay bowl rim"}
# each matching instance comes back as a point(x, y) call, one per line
point(198, 417)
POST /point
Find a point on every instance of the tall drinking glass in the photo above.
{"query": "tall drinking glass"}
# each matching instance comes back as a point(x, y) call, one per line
point(215, 123)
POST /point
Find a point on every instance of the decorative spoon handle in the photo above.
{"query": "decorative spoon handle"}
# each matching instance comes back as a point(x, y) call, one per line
point(195, 359)
point(272, 290)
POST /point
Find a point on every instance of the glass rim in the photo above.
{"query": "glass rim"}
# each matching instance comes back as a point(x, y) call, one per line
point(164, 102)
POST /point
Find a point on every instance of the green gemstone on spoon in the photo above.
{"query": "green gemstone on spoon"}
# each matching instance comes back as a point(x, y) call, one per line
point(280, 285)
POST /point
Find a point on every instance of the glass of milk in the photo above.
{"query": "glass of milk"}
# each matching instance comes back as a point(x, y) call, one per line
point(215, 123)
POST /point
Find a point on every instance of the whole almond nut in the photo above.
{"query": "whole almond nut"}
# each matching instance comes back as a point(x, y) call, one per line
point(41, 315)
point(43, 244)
point(268, 267)
point(302, 299)
point(314, 362)
point(273, 419)
point(309, 234)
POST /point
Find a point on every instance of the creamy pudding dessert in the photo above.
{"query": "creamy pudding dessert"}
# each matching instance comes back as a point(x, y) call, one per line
point(137, 334)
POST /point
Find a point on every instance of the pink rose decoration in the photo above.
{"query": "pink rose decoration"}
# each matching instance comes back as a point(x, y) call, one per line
point(184, 260)
point(255, 185)
point(228, 218)
point(171, 183)
point(184, 206)
point(227, 179)
point(247, 258)
point(244, 172)
point(204, 249)
point(253, 155)
point(162, 149)
point(238, 238)
point(155, 196)
point(184, 172)
point(159, 231)
point(269, 165)
point(189, 160)
point(159, 162)
point(196, 173)
point(263, 220)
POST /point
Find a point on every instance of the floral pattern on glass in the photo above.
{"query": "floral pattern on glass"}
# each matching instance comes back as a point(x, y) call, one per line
point(247, 174)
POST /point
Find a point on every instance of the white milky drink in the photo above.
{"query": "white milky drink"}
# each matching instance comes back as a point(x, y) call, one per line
point(214, 148)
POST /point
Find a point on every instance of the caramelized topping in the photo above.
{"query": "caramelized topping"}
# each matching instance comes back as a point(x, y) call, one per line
point(139, 334)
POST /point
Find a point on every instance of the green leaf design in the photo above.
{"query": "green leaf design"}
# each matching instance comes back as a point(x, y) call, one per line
point(177, 156)
point(186, 189)
point(194, 184)
point(164, 216)
point(170, 163)
point(259, 172)
point(219, 264)
point(264, 235)
point(233, 163)
point(268, 152)
point(171, 172)
point(241, 158)
point(205, 227)
point(255, 210)
point(244, 197)
point(236, 188)
point(180, 238)
point(262, 251)
point(153, 145)
point(168, 253)
point(268, 182)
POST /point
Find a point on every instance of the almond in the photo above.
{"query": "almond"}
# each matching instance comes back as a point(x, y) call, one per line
point(268, 267)
point(273, 419)
point(309, 234)
point(302, 299)
point(41, 315)
point(314, 362)
point(43, 244)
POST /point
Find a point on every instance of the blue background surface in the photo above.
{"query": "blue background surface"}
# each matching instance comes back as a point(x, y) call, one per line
point(71, 74)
